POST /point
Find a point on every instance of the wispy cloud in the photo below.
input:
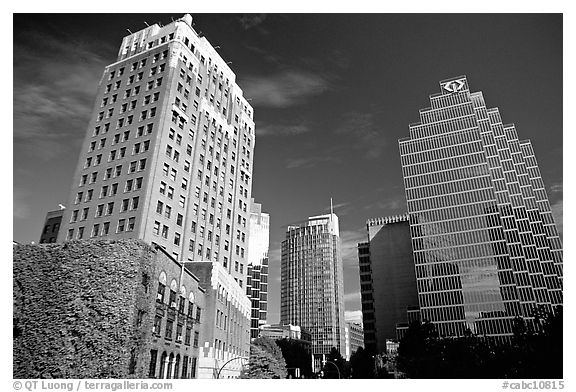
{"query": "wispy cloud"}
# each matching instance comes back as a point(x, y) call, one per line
point(284, 89)
point(366, 132)
point(558, 212)
point(299, 163)
point(54, 88)
point(352, 297)
point(349, 240)
point(353, 316)
point(556, 188)
point(392, 204)
point(251, 20)
point(281, 129)
point(21, 209)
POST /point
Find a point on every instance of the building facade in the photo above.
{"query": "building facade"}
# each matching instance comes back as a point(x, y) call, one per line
point(139, 306)
point(180, 299)
point(485, 245)
point(312, 287)
point(168, 152)
point(51, 227)
point(387, 279)
point(257, 280)
point(226, 327)
point(356, 336)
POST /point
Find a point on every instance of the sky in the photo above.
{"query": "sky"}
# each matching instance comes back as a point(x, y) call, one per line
point(332, 94)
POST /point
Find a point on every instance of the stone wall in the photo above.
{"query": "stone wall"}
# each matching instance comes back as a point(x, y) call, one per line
point(83, 309)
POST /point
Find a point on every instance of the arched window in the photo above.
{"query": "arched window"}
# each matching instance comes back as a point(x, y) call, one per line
point(161, 287)
point(182, 300)
point(162, 365)
point(173, 290)
point(153, 359)
point(177, 366)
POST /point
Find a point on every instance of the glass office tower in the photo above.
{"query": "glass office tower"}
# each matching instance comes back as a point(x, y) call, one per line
point(312, 285)
point(486, 248)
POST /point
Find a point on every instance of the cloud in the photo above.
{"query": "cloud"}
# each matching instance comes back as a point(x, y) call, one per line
point(283, 89)
point(362, 127)
point(251, 20)
point(299, 163)
point(281, 130)
point(20, 209)
point(558, 212)
point(352, 297)
point(391, 205)
point(556, 188)
point(349, 240)
point(353, 315)
point(54, 88)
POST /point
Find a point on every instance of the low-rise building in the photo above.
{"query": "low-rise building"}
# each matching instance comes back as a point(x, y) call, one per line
point(226, 330)
point(51, 226)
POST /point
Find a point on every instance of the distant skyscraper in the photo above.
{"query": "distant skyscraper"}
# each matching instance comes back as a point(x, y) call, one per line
point(486, 248)
point(257, 281)
point(167, 156)
point(356, 336)
point(312, 288)
point(387, 280)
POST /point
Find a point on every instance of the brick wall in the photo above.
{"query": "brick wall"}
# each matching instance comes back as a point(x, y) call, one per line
point(83, 309)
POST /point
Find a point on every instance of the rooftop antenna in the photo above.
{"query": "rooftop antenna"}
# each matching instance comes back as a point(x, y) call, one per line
point(62, 207)
point(146, 23)
point(128, 30)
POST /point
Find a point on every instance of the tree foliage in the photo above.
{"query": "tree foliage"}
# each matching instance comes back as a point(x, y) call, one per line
point(296, 356)
point(535, 351)
point(362, 364)
point(266, 360)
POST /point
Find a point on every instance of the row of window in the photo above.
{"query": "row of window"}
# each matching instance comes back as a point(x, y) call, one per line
point(103, 229)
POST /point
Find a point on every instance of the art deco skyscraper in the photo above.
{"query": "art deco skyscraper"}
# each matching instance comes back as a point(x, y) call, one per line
point(312, 286)
point(167, 157)
point(257, 281)
point(486, 248)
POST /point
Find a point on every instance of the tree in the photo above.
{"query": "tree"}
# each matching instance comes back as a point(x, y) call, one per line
point(362, 364)
point(296, 356)
point(266, 360)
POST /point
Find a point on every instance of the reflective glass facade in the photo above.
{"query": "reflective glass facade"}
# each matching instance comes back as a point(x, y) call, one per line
point(312, 286)
point(486, 248)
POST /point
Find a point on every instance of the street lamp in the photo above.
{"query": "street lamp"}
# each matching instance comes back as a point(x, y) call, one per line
point(332, 363)
point(226, 363)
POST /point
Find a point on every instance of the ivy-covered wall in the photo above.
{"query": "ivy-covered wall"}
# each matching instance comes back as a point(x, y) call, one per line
point(83, 309)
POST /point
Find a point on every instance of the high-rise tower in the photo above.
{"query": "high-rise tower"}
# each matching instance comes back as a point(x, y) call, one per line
point(257, 281)
point(167, 156)
point(486, 248)
point(312, 286)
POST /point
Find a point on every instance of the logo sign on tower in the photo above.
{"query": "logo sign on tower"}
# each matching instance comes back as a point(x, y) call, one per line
point(454, 86)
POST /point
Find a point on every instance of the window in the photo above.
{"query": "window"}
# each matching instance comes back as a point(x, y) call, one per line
point(135, 202)
point(121, 225)
point(165, 231)
point(168, 335)
point(176, 238)
point(131, 223)
point(156, 231)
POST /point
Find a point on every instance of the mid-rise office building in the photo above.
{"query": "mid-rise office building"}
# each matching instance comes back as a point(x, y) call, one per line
point(356, 336)
point(387, 279)
point(51, 226)
point(312, 287)
point(168, 152)
point(257, 280)
point(486, 248)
